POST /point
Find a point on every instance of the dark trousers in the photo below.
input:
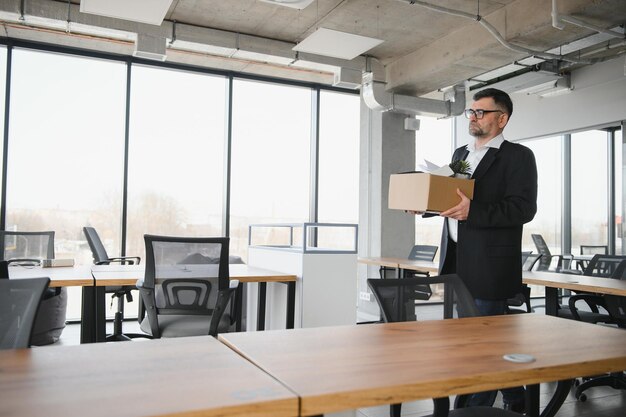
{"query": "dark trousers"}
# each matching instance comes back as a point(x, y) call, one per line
point(486, 308)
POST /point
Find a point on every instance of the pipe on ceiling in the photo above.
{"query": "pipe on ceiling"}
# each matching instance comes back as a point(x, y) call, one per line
point(377, 98)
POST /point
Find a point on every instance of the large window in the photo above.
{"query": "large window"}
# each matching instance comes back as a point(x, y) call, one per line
point(547, 221)
point(338, 197)
point(3, 76)
point(176, 155)
point(589, 189)
point(433, 143)
point(620, 245)
point(270, 159)
point(66, 150)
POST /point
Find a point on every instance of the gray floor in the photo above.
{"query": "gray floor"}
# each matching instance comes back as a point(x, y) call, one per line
point(601, 402)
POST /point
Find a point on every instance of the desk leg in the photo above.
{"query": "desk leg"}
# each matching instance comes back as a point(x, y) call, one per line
point(562, 390)
point(552, 301)
point(448, 301)
point(88, 316)
point(100, 319)
point(238, 306)
point(532, 400)
point(291, 304)
point(260, 315)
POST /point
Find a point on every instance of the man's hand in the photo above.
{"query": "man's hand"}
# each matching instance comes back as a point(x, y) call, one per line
point(461, 210)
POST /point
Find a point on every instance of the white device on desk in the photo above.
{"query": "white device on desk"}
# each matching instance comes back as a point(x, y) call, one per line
point(51, 263)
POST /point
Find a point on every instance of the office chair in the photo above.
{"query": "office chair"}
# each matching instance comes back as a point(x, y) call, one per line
point(396, 299)
point(186, 287)
point(592, 250)
point(605, 266)
point(19, 303)
point(28, 249)
point(610, 267)
point(101, 257)
point(545, 262)
point(523, 297)
point(418, 253)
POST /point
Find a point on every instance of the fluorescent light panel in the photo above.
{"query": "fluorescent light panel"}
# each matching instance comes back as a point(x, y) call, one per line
point(294, 4)
point(144, 11)
point(328, 42)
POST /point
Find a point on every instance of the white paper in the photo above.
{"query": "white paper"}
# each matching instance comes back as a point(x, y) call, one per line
point(434, 169)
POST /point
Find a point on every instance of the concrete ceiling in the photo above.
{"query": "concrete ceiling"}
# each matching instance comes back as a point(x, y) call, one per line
point(423, 50)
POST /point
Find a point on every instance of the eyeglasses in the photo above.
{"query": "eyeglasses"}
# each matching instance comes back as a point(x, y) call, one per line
point(478, 113)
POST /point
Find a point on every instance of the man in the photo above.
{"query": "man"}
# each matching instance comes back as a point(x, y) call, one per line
point(482, 238)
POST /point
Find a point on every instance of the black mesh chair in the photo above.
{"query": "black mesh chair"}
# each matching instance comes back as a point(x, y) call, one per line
point(615, 306)
point(605, 266)
point(563, 262)
point(29, 249)
point(19, 303)
point(101, 257)
point(418, 253)
point(396, 299)
point(186, 289)
point(592, 250)
point(523, 297)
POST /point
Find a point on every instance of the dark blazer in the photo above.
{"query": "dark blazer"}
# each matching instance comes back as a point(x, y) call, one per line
point(488, 251)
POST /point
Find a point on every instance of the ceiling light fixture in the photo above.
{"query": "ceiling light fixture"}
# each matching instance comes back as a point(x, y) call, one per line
point(294, 4)
point(342, 45)
point(144, 11)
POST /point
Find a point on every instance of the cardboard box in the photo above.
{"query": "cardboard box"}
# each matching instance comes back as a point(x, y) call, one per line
point(426, 192)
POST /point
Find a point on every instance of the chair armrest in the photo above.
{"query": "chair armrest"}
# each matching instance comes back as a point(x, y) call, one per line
point(24, 262)
point(223, 298)
point(131, 260)
point(592, 300)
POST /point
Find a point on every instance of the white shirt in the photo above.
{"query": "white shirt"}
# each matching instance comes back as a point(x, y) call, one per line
point(474, 157)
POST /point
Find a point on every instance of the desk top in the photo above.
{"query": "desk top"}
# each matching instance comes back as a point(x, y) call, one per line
point(347, 367)
point(113, 275)
point(195, 376)
point(71, 276)
point(402, 263)
point(575, 282)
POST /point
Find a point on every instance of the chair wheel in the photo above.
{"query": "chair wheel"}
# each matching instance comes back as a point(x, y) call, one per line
point(582, 398)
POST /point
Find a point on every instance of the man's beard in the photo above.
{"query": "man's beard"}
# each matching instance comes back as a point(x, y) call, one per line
point(477, 132)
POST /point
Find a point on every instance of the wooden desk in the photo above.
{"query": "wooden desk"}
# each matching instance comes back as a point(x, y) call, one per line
point(127, 275)
point(349, 367)
point(553, 281)
point(194, 376)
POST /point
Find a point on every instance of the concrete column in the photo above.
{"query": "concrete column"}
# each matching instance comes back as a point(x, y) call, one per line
point(386, 148)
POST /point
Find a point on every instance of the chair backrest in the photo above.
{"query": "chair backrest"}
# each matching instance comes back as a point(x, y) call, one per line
point(26, 245)
point(544, 251)
point(608, 266)
point(396, 297)
point(98, 250)
point(531, 261)
point(188, 270)
point(594, 250)
point(19, 302)
point(423, 252)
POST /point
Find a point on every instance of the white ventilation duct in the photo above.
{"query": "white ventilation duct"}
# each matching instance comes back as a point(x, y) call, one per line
point(377, 98)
